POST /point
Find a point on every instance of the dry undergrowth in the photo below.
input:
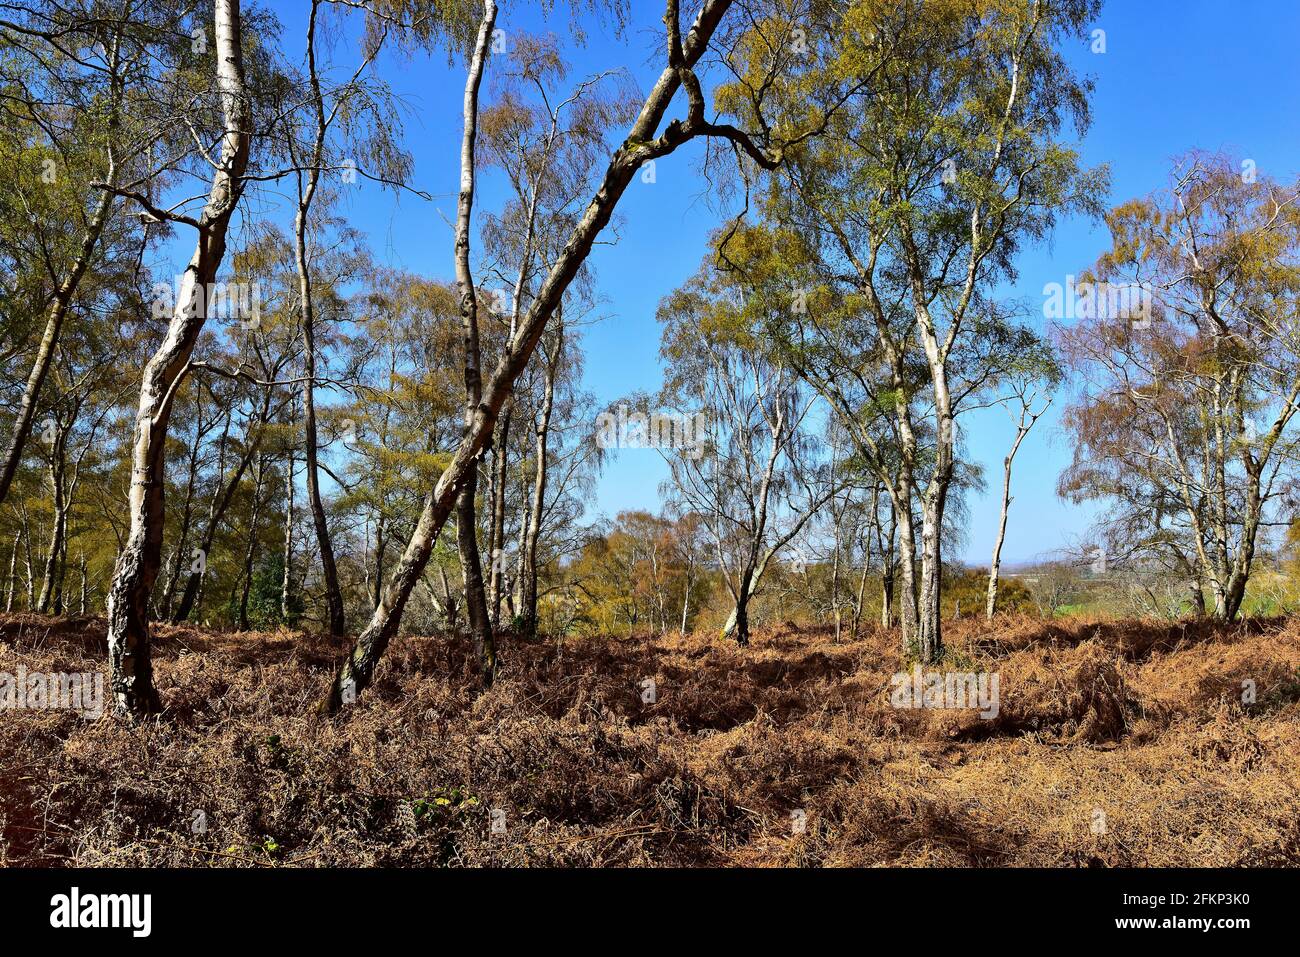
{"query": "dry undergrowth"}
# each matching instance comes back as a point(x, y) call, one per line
point(1140, 723)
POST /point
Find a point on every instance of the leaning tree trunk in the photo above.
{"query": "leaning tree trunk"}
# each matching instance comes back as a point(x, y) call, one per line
point(137, 564)
point(67, 290)
point(641, 145)
point(50, 338)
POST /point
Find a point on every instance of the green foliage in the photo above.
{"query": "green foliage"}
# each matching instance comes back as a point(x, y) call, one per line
point(442, 803)
point(264, 609)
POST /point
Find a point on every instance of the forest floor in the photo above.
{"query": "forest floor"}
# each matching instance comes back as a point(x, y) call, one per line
point(1116, 743)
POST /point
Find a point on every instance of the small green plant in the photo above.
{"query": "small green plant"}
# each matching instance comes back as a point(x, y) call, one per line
point(442, 802)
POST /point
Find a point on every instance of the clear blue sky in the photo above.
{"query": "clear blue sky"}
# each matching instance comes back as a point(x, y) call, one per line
point(1176, 74)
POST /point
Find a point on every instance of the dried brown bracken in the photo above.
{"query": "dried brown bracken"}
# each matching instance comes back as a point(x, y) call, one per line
point(785, 753)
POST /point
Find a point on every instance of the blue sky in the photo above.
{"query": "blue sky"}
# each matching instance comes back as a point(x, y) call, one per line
point(1176, 74)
